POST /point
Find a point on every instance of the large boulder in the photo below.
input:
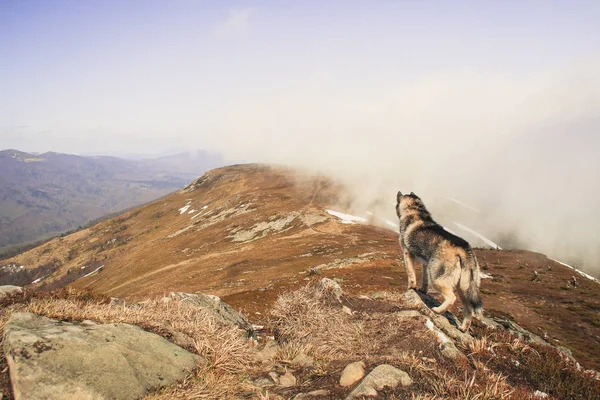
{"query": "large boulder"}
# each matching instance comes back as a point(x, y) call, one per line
point(51, 360)
point(381, 376)
point(6, 290)
point(216, 307)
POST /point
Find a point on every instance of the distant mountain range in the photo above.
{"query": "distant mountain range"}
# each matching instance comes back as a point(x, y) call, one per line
point(42, 195)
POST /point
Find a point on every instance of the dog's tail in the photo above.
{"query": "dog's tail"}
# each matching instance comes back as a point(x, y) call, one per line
point(470, 281)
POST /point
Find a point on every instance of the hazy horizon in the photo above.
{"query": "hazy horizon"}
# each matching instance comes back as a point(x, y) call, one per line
point(496, 104)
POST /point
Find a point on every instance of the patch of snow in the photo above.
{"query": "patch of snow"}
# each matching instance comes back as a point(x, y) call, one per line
point(576, 270)
point(38, 280)
point(443, 338)
point(463, 204)
point(94, 271)
point(479, 235)
point(390, 223)
point(483, 275)
point(205, 207)
point(192, 211)
point(197, 215)
point(184, 209)
point(84, 267)
point(540, 394)
point(346, 218)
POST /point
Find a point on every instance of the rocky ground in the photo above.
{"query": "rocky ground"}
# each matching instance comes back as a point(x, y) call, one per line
point(320, 343)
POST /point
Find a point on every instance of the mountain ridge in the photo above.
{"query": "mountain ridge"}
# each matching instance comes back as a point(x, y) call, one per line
point(250, 232)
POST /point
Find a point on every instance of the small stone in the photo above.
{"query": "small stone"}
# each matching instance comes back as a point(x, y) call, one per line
point(347, 310)
point(353, 373)
point(303, 361)
point(321, 392)
point(540, 394)
point(287, 380)
point(267, 353)
point(274, 376)
point(314, 393)
point(263, 382)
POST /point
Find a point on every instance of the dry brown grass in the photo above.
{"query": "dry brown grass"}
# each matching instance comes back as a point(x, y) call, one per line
point(308, 320)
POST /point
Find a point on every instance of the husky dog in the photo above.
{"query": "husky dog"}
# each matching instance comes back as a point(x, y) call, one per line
point(448, 260)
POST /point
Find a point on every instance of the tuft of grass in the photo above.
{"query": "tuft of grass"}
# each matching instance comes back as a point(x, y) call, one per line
point(309, 319)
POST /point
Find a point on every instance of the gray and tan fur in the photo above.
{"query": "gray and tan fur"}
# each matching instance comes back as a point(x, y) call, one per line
point(448, 261)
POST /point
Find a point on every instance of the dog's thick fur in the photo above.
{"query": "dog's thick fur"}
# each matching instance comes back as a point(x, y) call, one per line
point(448, 260)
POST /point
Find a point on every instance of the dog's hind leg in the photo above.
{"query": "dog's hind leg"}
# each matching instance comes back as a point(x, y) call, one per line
point(425, 281)
point(467, 312)
point(409, 262)
point(449, 298)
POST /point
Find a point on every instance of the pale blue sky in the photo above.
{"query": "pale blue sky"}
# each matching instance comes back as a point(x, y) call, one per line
point(145, 74)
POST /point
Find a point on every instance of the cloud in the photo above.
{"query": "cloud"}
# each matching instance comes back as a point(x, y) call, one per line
point(520, 147)
point(235, 26)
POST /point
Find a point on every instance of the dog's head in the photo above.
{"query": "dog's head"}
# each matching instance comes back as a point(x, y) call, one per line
point(406, 202)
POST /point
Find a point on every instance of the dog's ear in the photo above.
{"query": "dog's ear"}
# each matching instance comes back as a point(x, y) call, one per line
point(412, 194)
point(398, 196)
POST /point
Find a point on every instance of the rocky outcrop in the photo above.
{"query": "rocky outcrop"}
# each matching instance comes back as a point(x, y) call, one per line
point(220, 310)
point(412, 299)
point(382, 376)
point(7, 290)
point(50, 360)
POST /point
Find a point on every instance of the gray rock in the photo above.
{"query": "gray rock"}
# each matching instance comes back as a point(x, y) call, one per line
point(9, 289)
point(382, 376)
point(264, 382)
point(412, 300)
point(353, 373)
point(267, 353)
point(303, 361)
point(314, 393)
point(287, 380)
point(51, 360)
point(449, 350)
point(215, 306)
